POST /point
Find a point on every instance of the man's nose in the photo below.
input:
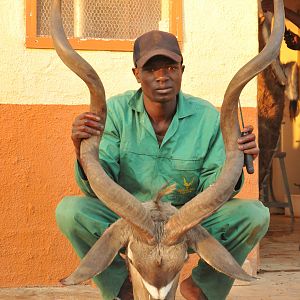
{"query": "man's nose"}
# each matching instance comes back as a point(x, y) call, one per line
point(161, 74)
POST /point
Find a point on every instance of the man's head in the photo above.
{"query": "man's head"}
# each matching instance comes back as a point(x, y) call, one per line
point(158, 65)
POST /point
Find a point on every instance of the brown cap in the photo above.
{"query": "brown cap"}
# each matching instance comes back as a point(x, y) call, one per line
point(155, 43)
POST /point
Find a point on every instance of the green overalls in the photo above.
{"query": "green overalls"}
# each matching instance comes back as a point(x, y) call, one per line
point(190, 155)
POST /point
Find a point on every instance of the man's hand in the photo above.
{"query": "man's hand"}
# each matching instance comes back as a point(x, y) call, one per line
point(292, 40)
point(83, 127)
point(247, 143)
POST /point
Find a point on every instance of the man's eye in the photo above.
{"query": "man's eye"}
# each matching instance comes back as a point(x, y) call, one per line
point(154, 69)
point(172, 68)
point(150, 70)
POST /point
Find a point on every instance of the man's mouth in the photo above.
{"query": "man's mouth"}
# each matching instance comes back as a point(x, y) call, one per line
point(165, 90)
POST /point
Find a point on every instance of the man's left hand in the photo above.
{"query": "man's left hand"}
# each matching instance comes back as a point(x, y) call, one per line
point(247, 143)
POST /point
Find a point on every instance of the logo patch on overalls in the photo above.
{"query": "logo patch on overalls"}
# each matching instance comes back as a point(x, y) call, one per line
point(187, 187)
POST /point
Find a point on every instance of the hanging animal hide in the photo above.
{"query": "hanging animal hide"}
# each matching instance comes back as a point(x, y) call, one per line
point(276, 66)
point(291, 90)
point(275, 84)
point(287, 75)
point(270, 106)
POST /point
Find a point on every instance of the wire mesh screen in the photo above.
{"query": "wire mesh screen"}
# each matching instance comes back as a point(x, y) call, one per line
point(43, 17)
point(102, 19)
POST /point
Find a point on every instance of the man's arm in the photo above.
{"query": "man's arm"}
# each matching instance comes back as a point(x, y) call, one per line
point(108, 150)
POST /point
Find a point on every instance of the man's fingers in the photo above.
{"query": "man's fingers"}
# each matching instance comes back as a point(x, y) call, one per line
point(248, 129)
point(89, 116)
point(85, 126)
point(87, 122)
point(83, 135)
point(253, 152)
point(251, 149)
point(89, 130)
point(92, 116)
point(246, 138)
point(246, 146)
point(94, 124)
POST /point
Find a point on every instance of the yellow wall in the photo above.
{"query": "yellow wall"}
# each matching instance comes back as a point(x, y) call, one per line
point(39, 98)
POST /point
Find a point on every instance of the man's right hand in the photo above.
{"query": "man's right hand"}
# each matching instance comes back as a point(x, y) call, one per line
point(83, 127)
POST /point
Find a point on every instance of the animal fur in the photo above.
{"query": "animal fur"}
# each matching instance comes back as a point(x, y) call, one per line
point(291, 91)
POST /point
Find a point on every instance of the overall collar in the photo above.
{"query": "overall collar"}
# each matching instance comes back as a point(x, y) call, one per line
point(184, 107)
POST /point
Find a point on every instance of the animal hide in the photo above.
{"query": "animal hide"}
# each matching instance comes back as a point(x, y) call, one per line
point(276, 66)
point(275, 84)
point(291, 90)
point(270, 106)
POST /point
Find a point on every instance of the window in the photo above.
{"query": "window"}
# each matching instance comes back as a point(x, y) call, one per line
point(103, 24)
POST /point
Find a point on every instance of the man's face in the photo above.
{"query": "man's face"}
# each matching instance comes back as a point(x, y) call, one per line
point(160, 79)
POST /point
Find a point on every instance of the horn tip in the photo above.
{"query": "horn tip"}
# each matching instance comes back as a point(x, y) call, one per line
point(246, 277)
point(66, 281)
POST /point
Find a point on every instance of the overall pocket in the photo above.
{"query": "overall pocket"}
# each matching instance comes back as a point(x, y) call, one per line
point(186, 176)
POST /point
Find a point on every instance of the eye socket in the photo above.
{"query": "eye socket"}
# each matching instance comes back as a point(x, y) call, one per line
point(150, 70)
point(169, 68)
point(172, 68)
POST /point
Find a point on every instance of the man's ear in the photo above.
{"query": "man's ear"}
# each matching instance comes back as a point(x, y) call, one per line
point(136, 73)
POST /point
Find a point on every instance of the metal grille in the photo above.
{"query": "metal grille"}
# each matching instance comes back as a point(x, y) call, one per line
point(102, 19)
point(43, 17)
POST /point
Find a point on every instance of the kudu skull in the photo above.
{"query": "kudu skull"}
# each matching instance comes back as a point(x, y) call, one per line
point(156, 234)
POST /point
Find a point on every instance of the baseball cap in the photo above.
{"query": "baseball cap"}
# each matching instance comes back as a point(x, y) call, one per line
point(155, 43)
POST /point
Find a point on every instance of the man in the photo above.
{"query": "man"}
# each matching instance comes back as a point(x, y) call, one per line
point(154, 136)
point(292, 40)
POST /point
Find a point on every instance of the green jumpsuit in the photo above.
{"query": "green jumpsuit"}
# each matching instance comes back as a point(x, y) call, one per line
point(190, 155)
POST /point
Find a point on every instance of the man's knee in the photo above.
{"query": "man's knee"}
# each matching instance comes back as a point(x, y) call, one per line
point(66, 212)
point(258, 215)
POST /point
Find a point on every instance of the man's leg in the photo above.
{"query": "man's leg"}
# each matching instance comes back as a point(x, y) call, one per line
point(83, 220)
point(238, 225)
